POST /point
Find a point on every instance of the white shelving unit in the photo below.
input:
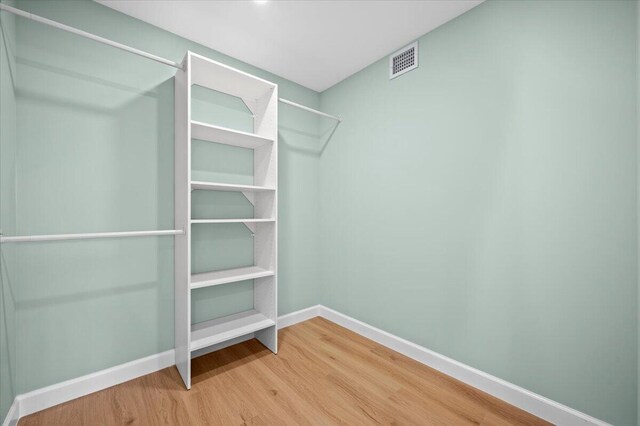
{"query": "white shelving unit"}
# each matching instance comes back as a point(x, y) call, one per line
point(261, 97)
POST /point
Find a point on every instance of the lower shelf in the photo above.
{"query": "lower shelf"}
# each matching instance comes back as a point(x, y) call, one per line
point(220, 330)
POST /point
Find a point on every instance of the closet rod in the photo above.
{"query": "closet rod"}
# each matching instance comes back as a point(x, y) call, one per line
point(129, 49)
point(315, 111)
point(90, 36)
point(60, 237)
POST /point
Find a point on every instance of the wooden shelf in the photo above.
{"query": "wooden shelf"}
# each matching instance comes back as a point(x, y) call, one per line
point(232, 220)
point(223, 135)
point(212, 186)
point(226, 328)
point(226, 276)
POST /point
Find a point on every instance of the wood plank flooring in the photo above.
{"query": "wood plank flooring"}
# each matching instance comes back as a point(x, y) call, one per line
point(322, 375)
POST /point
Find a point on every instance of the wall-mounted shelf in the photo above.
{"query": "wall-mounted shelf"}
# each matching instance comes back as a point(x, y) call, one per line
point(211, 186)
point(211, 133)
point(208, 279)
point(226, 328)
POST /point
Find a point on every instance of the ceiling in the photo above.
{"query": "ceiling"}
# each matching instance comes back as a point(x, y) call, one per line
point(313, 43)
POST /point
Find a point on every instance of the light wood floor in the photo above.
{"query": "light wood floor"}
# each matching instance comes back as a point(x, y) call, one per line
point(322, 375)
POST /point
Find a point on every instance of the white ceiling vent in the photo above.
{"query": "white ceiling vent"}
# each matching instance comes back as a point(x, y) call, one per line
point(404, 60)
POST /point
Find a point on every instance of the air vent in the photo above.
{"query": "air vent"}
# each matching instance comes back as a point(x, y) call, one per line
point(404, 60)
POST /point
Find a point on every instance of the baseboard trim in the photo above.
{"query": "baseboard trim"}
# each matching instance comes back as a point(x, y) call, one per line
point(49, 396)
point(13, 415)
point(299, 316)
point(41, 399)
point(554, 412)
point(535, 404)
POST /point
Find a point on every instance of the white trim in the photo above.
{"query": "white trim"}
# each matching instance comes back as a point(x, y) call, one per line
point(299, 316)
point(537, 405)
point(13, 415)
point(49, 396)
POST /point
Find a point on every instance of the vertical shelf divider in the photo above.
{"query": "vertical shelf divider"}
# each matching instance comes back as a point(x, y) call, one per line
point(182, 214)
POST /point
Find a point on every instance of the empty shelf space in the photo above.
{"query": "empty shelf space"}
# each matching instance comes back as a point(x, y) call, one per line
point(232, 220)
point(212, 186)
point(222, 329)
point(208, 279)
point(211, 133)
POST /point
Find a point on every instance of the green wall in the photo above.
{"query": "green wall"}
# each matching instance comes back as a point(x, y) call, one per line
point(484, 205)
point(8, 140)
point(95, 153)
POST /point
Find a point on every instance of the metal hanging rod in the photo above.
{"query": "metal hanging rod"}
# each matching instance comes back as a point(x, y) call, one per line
point(126, 48)
point(315, 111)
point(95, 235)
point(90, 36)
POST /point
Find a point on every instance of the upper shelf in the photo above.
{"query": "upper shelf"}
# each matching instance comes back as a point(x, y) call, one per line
point(211, 133)
point(212, 186)
point(223, 78)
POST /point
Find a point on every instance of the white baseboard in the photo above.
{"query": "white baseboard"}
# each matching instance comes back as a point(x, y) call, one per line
point(49, 396)
point(537, 405)
point(40, 399)
point(299, 316)
point(13, 415)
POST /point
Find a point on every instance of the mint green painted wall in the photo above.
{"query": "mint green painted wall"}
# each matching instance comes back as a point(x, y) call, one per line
point(484, 205)
point(8, 139)
point(95, 153)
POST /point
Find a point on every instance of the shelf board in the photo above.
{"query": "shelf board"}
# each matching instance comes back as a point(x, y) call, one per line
point(226, 328)
point(232, 220)
point(226, 276)
point(212, 186)
point(223, 135)
point(223, 78)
